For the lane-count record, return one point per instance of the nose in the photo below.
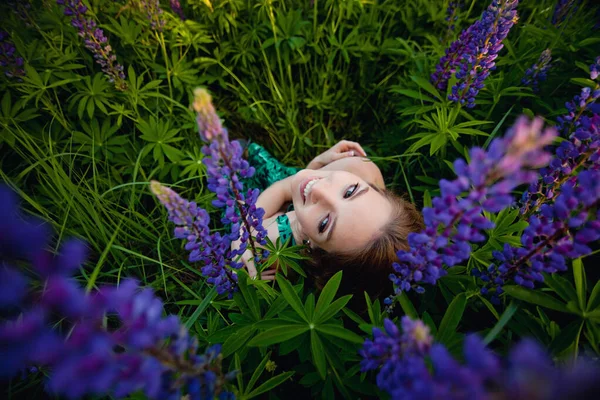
(321, 192)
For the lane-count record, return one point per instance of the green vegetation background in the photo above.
(295, 76)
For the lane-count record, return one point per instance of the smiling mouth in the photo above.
(305, 188)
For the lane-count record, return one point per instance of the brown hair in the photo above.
(369, 268)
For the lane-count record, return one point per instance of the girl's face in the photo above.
(337, 210)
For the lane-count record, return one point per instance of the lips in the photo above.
(303, 186)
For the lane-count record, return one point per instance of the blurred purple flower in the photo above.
(95, 41)
(154, 14)
(455, 220)
(473, 55)
(143, 352)
(564, 10)
(528, 373)
(176, 7)
(538, 71)
(10, 62)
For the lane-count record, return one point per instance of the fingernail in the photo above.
(351, 153)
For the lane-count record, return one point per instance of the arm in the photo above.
(342, 149)
(273, 198)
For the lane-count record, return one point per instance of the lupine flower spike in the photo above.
(225, 169)
(456, 218)
(154, 14)
(561, 207)
(142, 351)
(538, 71)
(400, 359)
(212, 251)
(473, 55)
(95, 41)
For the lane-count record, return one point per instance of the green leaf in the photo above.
(580, 282)
(536, 297)
(258, 371)
(407, 306)
(452, 318)
(290, 295)
(594, 301)
(270, 384)
(210, 296)
(328, 293)
(340, 332)
(512, 308)
(318, 353)
(561, 286)
(237, 340)
(249, 295)
(333, 309)
(567, 336)
(277, 335)
(413, 94)
(426, 85)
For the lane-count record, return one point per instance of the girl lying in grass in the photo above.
(339, 208)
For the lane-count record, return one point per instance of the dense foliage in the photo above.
(95, 106)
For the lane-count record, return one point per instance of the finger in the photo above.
(269, 272)
(358, 148)
(251, 268)
(267, 278)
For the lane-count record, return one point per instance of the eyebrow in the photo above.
(363, 191)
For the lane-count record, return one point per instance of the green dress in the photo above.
(268, 171)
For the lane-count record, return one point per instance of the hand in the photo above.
(342, 149)
(248, 260)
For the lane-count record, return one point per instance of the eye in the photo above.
(323, 224)
(350, 191)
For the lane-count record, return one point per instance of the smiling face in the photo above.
(337, 210)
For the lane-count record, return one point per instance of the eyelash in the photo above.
(352, 189)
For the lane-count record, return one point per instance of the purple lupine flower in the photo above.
(473, 55)
(528, 372)
(9, 61)
(538, 71)
(95, 41)
(142, 351)
(176, 7)
(20, 9)
(154, 14)
(452, 14)
(456, 220)
(226, 168)
(212, 250)
(564, 10)
(580, 151)
(563, 230)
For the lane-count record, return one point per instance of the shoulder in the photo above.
(360, 166)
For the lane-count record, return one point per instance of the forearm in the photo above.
(275, 196)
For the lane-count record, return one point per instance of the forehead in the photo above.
(359, 221)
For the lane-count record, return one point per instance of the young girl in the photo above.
(339, 208)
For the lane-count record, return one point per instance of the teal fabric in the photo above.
(268, 171)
